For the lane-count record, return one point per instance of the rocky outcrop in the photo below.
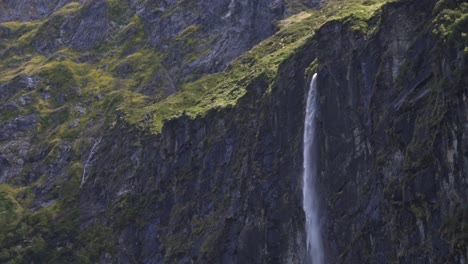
(224, 186)
(191, 41)
(27, 10)
(217, 37)
(199, 42)
(393, 133)
(392, 167)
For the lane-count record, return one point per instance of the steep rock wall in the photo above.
(225, 187)
(220, 189)
(393, 133)
(392, 181)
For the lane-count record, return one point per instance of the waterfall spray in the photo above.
(310, 202)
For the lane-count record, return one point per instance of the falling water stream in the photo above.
(310, 203)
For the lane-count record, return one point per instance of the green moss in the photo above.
(8, 211)
(20, 67)
(135, 69)
(118, 10)
(131, 38)
(52, 119)
(50, 30)
(312, 68)
(187, 32)
(68, 9)
(451, 24)
(58, 75)
(15, 26)
(224, 89)
(39, 236)
(109, 83)
(16, 227)
(187, 5)
(128, 209)
(95, 240)
(70, 191)
(420, 152)
(356, 14)
(192, 43)
(138, 68)
(19, 37)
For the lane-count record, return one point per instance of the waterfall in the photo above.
(89, 160)
(310, 203)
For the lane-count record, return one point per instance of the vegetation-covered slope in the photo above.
(103, 102)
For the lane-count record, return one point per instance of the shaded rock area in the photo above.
(27, 10)
(224, 188)
(393, 132)
(81, 183)
(192, 41)
(392, 169)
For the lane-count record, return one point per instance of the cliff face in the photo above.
(392, 168)
(98, 172)
(185, 39)
(199, 41)
(393, 133)
(223, 188)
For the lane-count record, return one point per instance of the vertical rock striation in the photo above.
(393, 130)
(223, 186)
(218, 189)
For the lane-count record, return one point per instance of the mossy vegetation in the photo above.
(451, 24)
(95, 240)
(420, 152)
(133, 69)
(450, 27)
(118, 10)
(131, 38)
(49, 233)
(19, 34)
(356, 14)
(72, 92)
(66, 93)
(224, 89)
(23, 234)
